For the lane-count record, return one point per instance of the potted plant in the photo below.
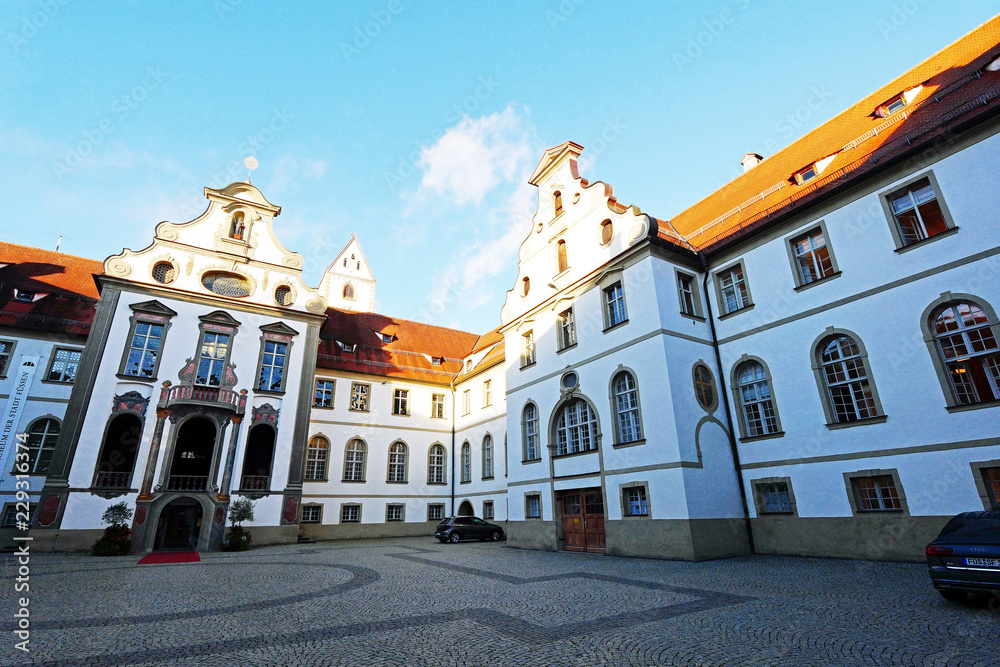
(238, 538)
(117, 538)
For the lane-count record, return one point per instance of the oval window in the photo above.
(607, 231)
(226, 284)
(283, 295)
(704, 387)
(525, 287)
(164, 272)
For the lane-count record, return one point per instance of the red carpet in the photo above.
(170, 557)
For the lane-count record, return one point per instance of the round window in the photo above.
(283, 295)
(569, 381)
(164, 272)
(226, 284)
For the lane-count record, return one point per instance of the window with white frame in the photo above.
(317, 454)
(212, 359)
(527, 348)
(533, 506)
(435, 465)
(968, 350)
(488, 457)
(144, 349)
(488, 510)
(756, 404)
(634, 501)
(487, 393)
(400, 402)
(311, 513)
(917, 212)
(350, 513)
(354, 460)
(359, 396)
(845, 373)
(394, 511)
(614, 306)
(397, 462)
(567, 329)
(65, 362)
(437, 406)
(530, 425)
(576, 429)
(686, 294)
(41, 445)
(6, 352)
(876, 493)
(324, 394)
(466, 402)
(466, 462)
(733, 289)
(272, 366)
(812, 257)
(628, 423)
(774, 498)
(435, 511)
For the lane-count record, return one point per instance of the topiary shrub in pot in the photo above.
(238, 538)
(117, 538)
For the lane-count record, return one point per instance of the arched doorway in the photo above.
(465, 509)
(194, 451)
(179, 526)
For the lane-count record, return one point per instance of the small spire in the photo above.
(250, 163)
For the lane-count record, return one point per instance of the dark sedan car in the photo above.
(965, 557)
(457, 528)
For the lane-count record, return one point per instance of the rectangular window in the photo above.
(359, 396)
(488, 509)
(812, 257)
(10, 515)
(635, 501)
(311, 513)
(774, 498)
(437, 406)
(488, 393)
(527, 349)
(991, 478)
(614, 306)
(876, 494)
(350, 513)
(733, 289)
(272, 366)
(212, 359)
(567, 329)
(324, 394)
(6, 352)
(917, 213)
(143, 349)
(685, 294)
(394, 512)
(435, 512)
(533, 506)
(64, 365)
(466, 402)
(400, 402)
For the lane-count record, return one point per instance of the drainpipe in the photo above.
(453, 410)
(725, 401)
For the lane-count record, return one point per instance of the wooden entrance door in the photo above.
(583, 520)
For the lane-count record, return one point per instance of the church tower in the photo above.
(348, 283)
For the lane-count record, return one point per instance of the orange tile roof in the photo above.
(66, 281)
(405, 357)
(955, 89)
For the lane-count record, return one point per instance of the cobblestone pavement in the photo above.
(413, 601)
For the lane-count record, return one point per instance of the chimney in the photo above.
(750, 160)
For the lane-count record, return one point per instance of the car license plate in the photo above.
(983, 562)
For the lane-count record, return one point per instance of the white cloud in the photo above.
(476, 156)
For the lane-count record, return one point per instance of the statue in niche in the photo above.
(238, 228)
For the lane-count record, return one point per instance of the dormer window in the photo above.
(898, 103)
(813, 170)
(348, 347)
(437, 361)
(237, 230)
(557, 197)
(468, 365)
(894, 105)
(806, 175)
(20, 295)
(386, 338)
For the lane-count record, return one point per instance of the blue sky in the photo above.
(416, 125)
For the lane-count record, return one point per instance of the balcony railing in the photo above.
(112, 480)
(187, 483)
(255, 482)
(215, 396)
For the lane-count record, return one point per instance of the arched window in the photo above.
(576, 428)
(238, 227)
(563, 263)
(349, 291)
(354, 461)
(525, 286)
(849, 390)
(397, 462)
(488, 457)
(42, 437)
(757, 411)
(968, 349)
(121, 444)
(557, 203)
(704, 387)
(529, 435)
(435, 465)
(626, 405)
(317, 454)
(466, 462)
(258, 458)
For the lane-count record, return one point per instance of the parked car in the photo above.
(965, 557)
(457, 528)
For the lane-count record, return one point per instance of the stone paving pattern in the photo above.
(413, 601)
